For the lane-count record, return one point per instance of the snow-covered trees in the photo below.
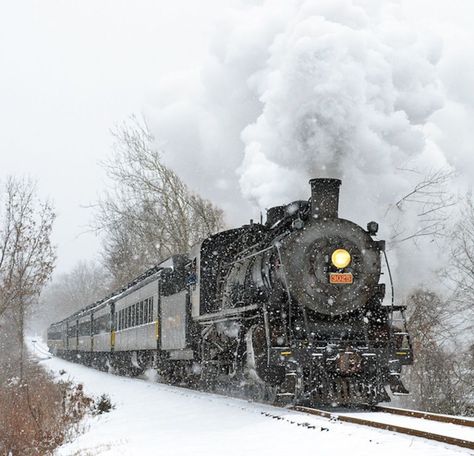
(26, 253)
(87, 282)
(460, 272)
(149, 213)
(442, 378)
(430, 379)
(432, 199)
(26, 258)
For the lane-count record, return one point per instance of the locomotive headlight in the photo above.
(341, 258)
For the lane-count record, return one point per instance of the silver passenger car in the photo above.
(102, 335)
(136, 317)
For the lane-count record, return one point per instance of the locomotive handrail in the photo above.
(226, 313)
(290, 301)
(392, 289)
(252, 255)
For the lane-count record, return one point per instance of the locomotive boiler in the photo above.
(290, 310)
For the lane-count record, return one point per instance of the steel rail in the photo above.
(388, 427)
(424, 415)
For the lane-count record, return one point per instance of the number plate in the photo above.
(340, 277)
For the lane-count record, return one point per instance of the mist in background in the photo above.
(69, 71)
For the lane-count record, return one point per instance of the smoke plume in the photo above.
(296, 89)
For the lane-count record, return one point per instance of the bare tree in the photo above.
(26, 253)
(84, 284)
(431, 199)
(460, 272)
(442, 377)
(438, 379)
(459, 277)
(150, 213)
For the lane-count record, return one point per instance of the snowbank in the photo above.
(155, 419)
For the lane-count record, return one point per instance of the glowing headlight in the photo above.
(341, 258)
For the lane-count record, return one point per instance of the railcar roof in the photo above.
(148, 275)
(117, 294)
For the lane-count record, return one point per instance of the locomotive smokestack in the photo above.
(325, 197)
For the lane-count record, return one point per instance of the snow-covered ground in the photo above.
(155, 419)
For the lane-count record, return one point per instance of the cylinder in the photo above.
(324, 197)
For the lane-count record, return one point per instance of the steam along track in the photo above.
(291, 311)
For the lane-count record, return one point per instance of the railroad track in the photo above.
(378, 417)
(425, 415)
(376, 411)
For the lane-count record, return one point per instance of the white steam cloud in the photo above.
(344, 94)
(296, 89)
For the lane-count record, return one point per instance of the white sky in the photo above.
(70, 69)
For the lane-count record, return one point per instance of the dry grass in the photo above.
(37, 414)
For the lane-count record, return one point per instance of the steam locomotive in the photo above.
(289, 311)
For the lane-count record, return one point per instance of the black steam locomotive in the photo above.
(286, 311)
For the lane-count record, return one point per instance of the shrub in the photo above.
(103, 405)
(37, 414)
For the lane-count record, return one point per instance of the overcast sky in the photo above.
(68, 71)
(71, 69)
